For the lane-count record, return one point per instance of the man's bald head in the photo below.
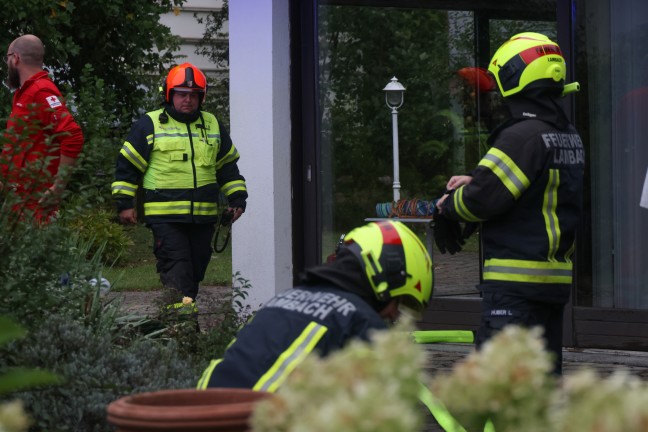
(30, 49)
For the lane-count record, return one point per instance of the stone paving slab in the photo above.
(456, 275)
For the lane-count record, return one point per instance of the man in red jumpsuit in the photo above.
(42, 140)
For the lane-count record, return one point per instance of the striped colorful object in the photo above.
(406, 208)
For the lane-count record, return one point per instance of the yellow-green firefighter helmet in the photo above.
(395, 261)
(527, 61)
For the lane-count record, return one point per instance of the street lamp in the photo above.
(394, 97)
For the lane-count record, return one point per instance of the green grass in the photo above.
(137, 271)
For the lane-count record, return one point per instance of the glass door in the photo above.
(613, 115)
(442, 124)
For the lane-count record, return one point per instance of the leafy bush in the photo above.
(227, 316)
(95, 372)
(99, 229)
(43, 271)
(103, 135)
(12, 415)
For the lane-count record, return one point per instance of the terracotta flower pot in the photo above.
(185, 410)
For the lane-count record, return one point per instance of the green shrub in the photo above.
(95, 372)
(99, 229)
(89, 187)
(44, 270)
(12, 415)
(227, 316)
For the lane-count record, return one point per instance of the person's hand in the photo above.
(458, 181)
(439, 203)
(128, 216)
(236, 213)
(51, 197)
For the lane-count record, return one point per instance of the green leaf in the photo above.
(9, 330)
(16, 379)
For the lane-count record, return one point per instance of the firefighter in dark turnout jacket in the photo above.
(379, 268)
(184, 158)
(526, 192)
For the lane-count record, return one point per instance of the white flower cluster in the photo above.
(509, 382)
(363, 387)
(588, 403)
(13, 417)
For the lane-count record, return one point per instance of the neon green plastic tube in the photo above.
(440, 336)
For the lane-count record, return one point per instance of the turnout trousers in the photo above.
(183, 251)
(499, 310)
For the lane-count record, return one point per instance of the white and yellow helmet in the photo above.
(528, 60)
(396, 262)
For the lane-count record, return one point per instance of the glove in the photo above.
(447, 235)
(469, 229)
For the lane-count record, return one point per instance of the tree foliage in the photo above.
(361, 49)
(108, 58)
(440, 131)
(122, 40)
(214, 45)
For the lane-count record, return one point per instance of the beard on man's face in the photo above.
(13, 77)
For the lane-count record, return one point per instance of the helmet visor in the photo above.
(188, 90)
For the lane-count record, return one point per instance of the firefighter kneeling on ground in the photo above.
(379, 268)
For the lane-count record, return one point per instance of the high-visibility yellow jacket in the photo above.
(527, 194)
(183, 168)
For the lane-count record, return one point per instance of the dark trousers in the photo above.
(183, 252)
(499, 310)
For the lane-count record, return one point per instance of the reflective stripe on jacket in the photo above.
(526, 192)
(183, 168)
(285, 331)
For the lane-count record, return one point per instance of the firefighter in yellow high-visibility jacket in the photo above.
(184, 159)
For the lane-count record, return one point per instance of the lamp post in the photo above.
(394, 97)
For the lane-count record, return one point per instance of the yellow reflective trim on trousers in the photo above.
(461, 209)
(133, 156)
(289, 359)
(205, 209)
(206, 375)
(233, 186)
(528, 271)
(439, 411)
(167, 208)
(123, 188)
(549, 205)
(231, 156)
(506, 170)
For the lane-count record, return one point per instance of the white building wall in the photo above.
(260, 128)
(183, 23)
